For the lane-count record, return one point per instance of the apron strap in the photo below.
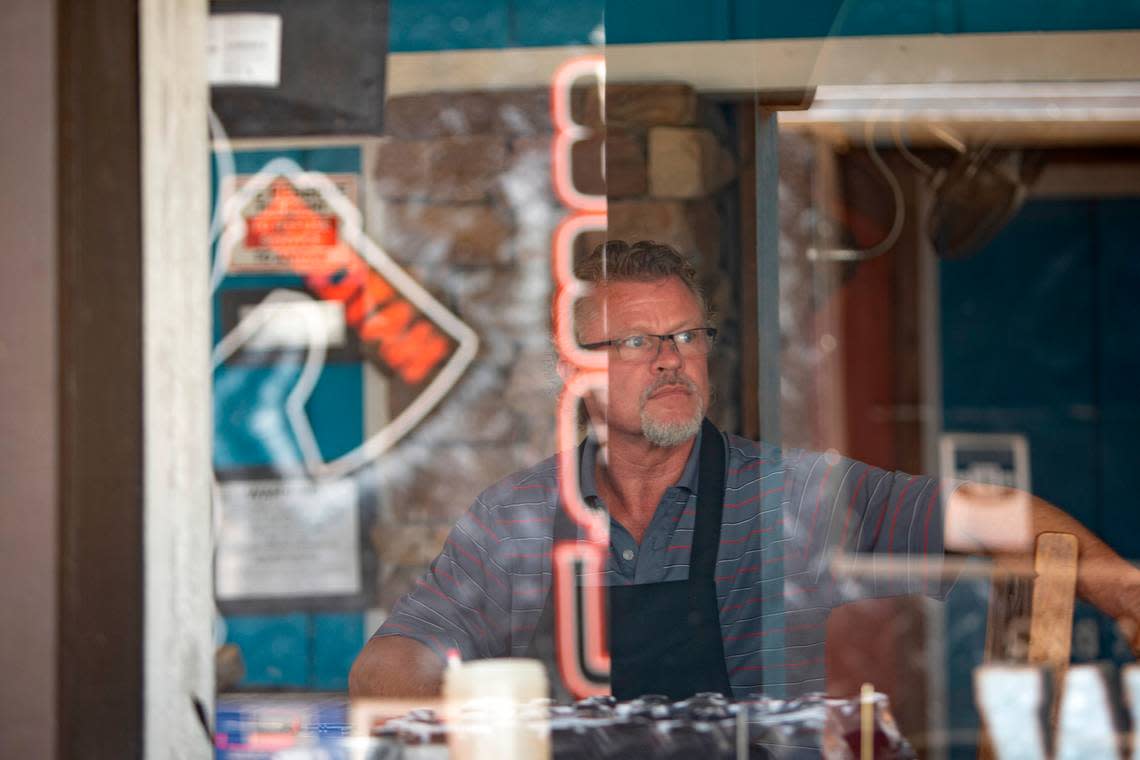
(710, 507)
(702, 560)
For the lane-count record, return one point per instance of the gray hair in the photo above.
(641, 261)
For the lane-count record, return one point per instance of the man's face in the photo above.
(662, 399)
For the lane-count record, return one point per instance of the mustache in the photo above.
(666, 379)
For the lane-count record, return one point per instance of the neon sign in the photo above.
(582, 649)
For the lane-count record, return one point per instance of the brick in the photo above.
(459, 169)
(533, 243)
(512, 303)
(585, 106)
(536, 221)
(467, 168)
(527, 181)
(402, 168)
(510, 112)
(522, 112)
(533, 149)
(687, 163)
(643, 104)
(626, 170)
(625, 167)
(693, 227)
(649, 105)
(424, 232)
(586, 166)
(437, 115)
(663, 221)
(625, 163)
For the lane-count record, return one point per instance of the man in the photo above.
(719, 567)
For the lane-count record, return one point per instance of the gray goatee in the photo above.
(668, 434)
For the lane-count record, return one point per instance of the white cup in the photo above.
(496, 710)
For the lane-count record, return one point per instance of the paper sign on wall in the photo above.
(243, 49)
(288, 538)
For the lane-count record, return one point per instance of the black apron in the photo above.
(665, 638)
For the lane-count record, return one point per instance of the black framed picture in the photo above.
(293, 68)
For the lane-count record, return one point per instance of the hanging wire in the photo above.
(900, 143)
(892, 236)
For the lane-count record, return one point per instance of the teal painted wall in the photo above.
(418, 25)
(1039, 337)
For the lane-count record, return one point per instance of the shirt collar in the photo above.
(588, 482)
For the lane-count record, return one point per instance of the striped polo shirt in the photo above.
(787, 515)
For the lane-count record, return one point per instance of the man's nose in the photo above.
(668, 355)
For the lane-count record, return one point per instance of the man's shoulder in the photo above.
(788, 457)
(746, 454)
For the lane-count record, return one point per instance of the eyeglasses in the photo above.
(697, 341)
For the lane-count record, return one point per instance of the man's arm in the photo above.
(1104, 578)
(395, 666)
(461, 602)
(1006, 522)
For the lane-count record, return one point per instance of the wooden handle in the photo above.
(1054, 589)
(1054, 596)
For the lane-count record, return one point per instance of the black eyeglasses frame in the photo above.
(710, 333)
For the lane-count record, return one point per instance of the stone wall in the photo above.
(459, 192)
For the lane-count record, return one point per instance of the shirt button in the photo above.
(627, 555)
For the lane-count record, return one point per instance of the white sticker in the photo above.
(297, 324)
(994, 459)
(244, 49)
(994, 511)
(282, 538)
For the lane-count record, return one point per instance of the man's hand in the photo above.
(1129, 629)
(1124, 586)
(395, 666)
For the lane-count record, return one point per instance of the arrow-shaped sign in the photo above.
(303, 219)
